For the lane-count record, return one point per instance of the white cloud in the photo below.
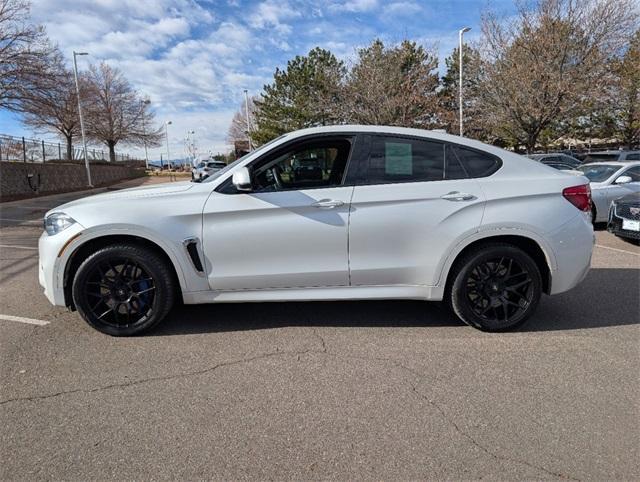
(355, 5)
(402, 9)
(273, 13)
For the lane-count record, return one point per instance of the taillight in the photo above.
(579, 196)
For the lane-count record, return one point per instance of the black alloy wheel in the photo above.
(496, 287)
(123, 289)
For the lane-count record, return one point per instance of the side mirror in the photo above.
(623, 180)
(242, 179)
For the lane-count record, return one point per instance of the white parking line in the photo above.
(617, 249)
(18, 247)
(20, 319)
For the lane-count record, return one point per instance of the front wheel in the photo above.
(123, 289)
(495, 287)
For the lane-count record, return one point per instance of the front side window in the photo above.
(634, 156)
(633, 173)
(395, 160)
(307, 166)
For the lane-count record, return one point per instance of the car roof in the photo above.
(402, 131)
(613, 163)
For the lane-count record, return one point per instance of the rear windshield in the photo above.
(600, 172)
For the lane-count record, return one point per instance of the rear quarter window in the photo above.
(477, 163)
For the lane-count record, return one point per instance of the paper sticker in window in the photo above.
(398, 159)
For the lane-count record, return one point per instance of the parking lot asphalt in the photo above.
(323, 390)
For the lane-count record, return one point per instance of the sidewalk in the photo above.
(68, 196)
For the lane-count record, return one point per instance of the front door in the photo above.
(291, 231)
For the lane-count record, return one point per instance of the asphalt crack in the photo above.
(142, 381)
(324, 351)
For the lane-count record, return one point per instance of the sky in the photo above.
(194, 58)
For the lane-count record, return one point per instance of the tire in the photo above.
(123, 289)
(495, 287)
(594, 214)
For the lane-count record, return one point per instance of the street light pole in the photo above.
(144, 133)
(246, 111)
(166, 134)
(460, 33)
(84, 139)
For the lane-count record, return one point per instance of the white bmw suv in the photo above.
(331, 213)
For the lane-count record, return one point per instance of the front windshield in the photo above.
(228, 167)
(598, 172)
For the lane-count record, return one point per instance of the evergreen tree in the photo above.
(306, 94)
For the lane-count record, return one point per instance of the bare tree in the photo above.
(25, 53)
(541, 66)
(624, 105)
(239, 130)
(115, 111)
(393, 86)
(54, 107)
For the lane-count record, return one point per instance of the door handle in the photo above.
(458, 196)
(327, 204)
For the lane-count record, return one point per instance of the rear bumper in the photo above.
(572, 244)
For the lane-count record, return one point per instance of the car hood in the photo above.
(136, 192)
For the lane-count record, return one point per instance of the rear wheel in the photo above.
(123, 289)
(495, 287)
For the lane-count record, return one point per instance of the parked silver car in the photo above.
(612, 155)
(610, 181)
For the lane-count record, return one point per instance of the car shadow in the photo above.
(606, 298)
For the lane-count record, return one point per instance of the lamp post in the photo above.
(84, 139)
(166, 134)
(144, 102)
(460, 33)
(246, 112)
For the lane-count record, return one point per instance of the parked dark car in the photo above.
(557, 160)
(612, 155)
(624, 217)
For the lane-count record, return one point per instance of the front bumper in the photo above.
(614, 225)
(51, 262)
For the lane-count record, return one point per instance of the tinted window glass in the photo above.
(477, 163)
(453, 167)
(633, 157)
(317, 164)
(405, 160)
(633, 173)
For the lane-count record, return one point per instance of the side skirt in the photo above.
(410, 292)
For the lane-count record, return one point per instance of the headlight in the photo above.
(56, 222)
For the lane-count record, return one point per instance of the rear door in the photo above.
(414, 200)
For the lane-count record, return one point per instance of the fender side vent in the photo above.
(191, 245)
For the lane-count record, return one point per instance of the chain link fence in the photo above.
(22, 149)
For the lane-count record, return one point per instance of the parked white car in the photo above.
(385, 213)
(610, 181)
(207, 168)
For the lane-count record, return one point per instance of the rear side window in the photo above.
(395, 159)
(477, 163)
(633, 157)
